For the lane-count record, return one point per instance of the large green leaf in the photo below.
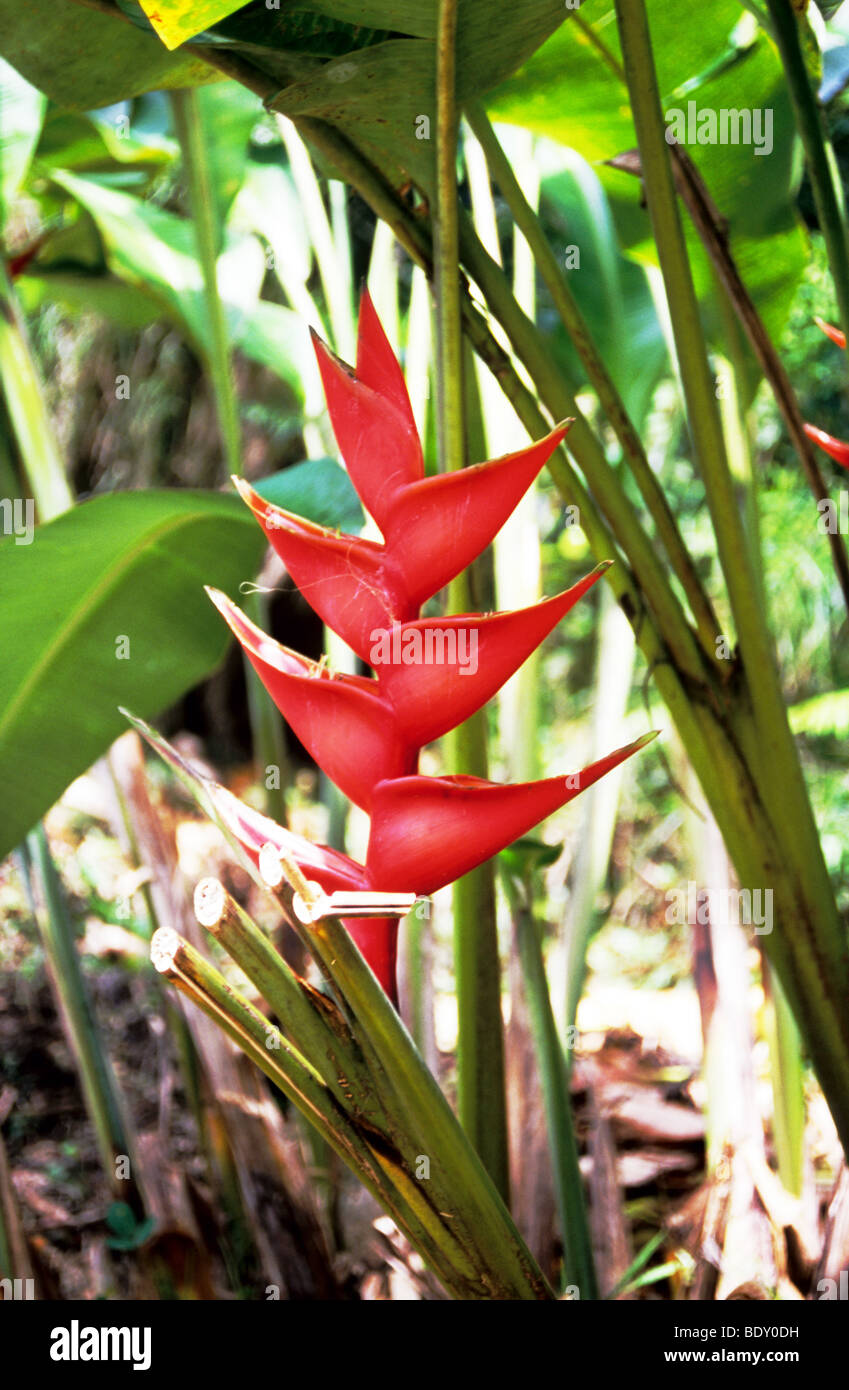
(82, 58)
(125, 566)
(569, 91)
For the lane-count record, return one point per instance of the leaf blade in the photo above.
(114, 567)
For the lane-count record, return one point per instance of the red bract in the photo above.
(432, 673)
(429, 831)
(833, 333)
(834, 447)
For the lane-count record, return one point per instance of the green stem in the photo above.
(449, 345)
(296, 1078)
(481, 1097)
(599, 805)
(187, 118)
(425, 1121)
(786, 1067)
(822, 167)
(267, 733)
(516, 549)
(98, 1081)
(709, 224)
(788, 1084)
(266, 729)
(808, 958)
(23, 392)
(317, 1030)
(532, 349)
(696, 376)
(578, 1261)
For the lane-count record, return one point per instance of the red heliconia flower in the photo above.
(834, 447)
(432, 674)
(425, 833)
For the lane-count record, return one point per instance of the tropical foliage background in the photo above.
(652, 1101)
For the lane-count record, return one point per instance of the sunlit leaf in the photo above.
(178, 20)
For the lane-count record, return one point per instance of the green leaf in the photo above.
(128, 565)
(277, 338)
(318, 489)
(526, 856)
(268, 204)
(81, 294)
(377, 92)
(21, 114)
(82, 58)
(127, 1232)
(416, 17)
(156, 250)
(91, 143)
(822, 715)
(569, 92)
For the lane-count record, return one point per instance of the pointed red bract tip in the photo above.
(377, 365)
(436, 527)
(831, 332)
(379, 443)
(834, 447)
(428, 831)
